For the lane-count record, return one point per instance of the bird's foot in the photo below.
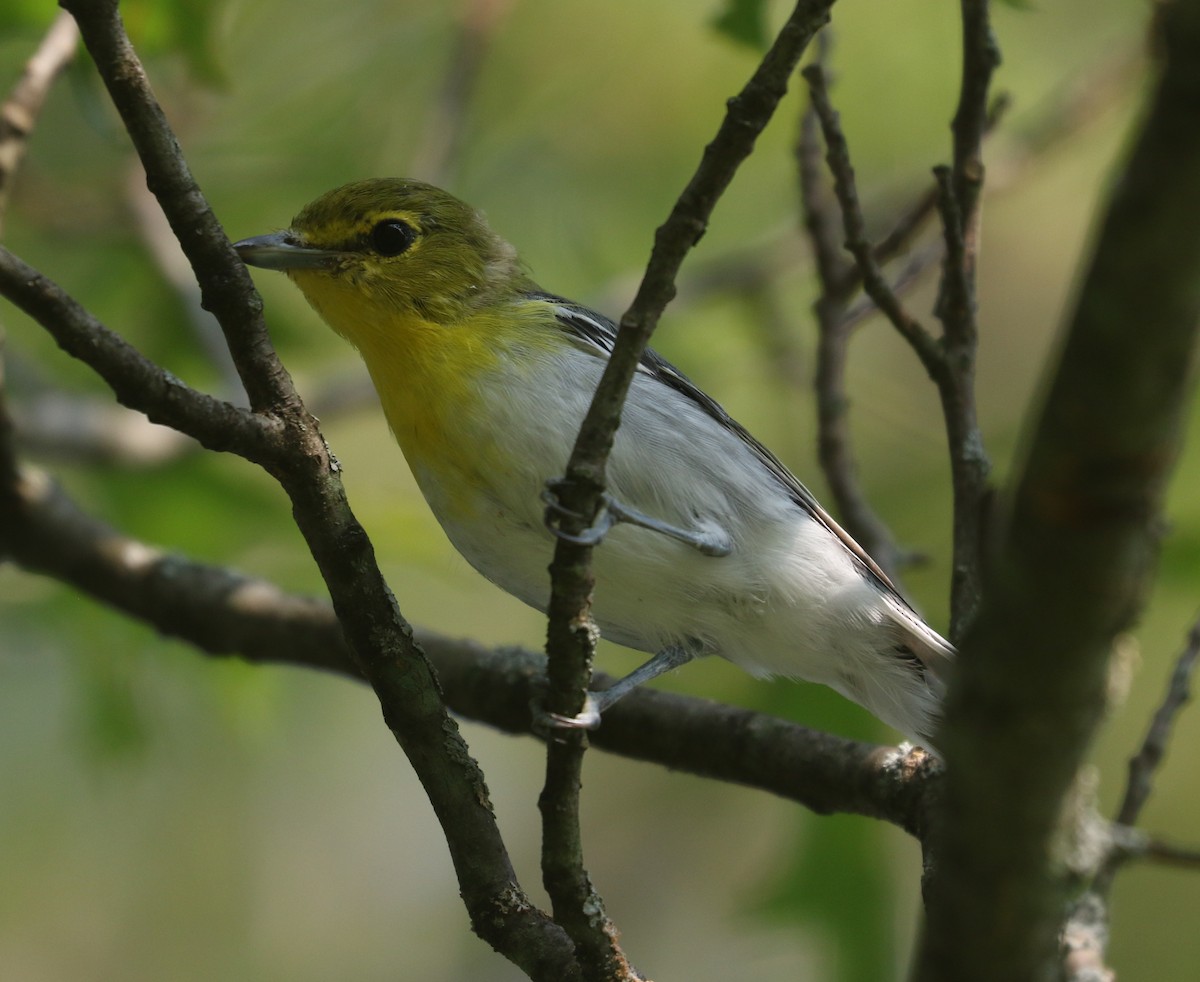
(588, 718)
(709, 542)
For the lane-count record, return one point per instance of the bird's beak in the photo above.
(284, 250)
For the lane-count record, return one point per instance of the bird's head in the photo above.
(391, 248)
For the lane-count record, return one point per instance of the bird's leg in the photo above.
(612, 511)
(597, 702)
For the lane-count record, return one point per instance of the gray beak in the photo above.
(283, 250)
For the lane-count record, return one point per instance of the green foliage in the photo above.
(25, 16)
(109, 717)
(744, 21)
(184, 27)
(577, 175)
(157, 27)
(838, 881)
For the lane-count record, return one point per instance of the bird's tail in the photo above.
(909, 681)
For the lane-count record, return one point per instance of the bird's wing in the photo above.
(596, 333)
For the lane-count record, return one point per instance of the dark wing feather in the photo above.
(599, 333)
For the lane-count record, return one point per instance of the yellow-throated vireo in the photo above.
(485, 378)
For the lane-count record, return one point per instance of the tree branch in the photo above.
(874, 283)
(24, 103)
(224, 613)
(839, 280)
(136, 381)
(1145, 763)
(381, 641)
(570, 637)
(1076, 553)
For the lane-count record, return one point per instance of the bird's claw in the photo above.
(594, 534)
(710, 542)
(588, 718)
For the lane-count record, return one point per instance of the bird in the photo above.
(711, 546)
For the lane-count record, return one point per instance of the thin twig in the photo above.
(900, 282)
(1170, 854)
(839, 279)
(875, 284)
(137, 381)
(570, 636)
(969, 463)
(1145, 763)
(958, 201)
(24, 104)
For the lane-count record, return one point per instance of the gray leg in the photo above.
(597, 702)
(613, 511)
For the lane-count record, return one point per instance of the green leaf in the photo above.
(744, 21)
(838, 882)
(183, 27)
(25, 15)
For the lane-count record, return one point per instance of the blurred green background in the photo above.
(166, 816)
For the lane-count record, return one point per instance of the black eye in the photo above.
(392, 237)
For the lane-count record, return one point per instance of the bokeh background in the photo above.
(163, 815)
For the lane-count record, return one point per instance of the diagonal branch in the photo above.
(136, 381)
(381, 641)
(570, 639)
(1071, 567)
(1154, 748)
(1145, 763)
(24, 103)
(839, 279)
(225, 285)
(874, 283)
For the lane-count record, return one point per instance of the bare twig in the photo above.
(137, 381)
(24, 103)
(570, 638)
(959, 191)
(874, 282)
(1076, 552)
(900, 282)
(1146, 761)
(1169, 854)
(839, 278)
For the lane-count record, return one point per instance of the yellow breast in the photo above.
(434, 382)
